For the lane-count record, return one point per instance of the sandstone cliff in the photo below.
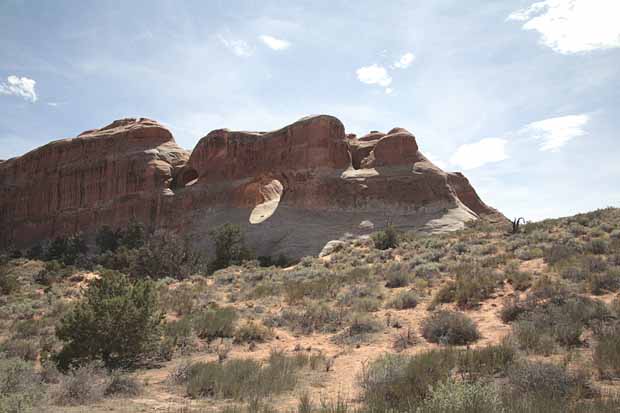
(292, 189)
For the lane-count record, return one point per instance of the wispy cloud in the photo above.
(274, 43)
(404, 61)
(436, 161)
(239, 47)
(19, 86)
(554, 133)
(573, 26)
(374, 75)
(475, 155)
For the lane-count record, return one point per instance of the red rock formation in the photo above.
(292, 190)
(103, 176)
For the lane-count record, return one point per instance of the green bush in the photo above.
(396, 276)
(386, 239)
(598, 246)
(80, 386)
(215, 323)
(512, 308)
(404, 300)
(609, 280)
(530, 338)
(230, 247)
(53, 271)
(21, 388)
(178, 333)
(541, 323)
(400, 383)
(108, 239)
(519, 280)
(116, 321)
(9, 283)
(360, 326)
(252, 332)
(472, 285)
(606, 353)
(24, 348)
(549, 380)
(121, 384)
(447, 327)
(462, 397)
(165, 255)
(243, 379)
(313, 318)
(67, 249)
(486, 361)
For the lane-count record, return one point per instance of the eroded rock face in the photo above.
(292, 190)
(103, 176)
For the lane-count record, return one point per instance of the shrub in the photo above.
(108, 239)
(598, 246)
(80, 386)
(486, 361)
(447, 327)
(512, 308)
(396, 276)
(121, 384)
(606, 353)
(230, 247)
(386, 239)
(404, 300)
(53, 271)
(252, 332)
(178, 333)
(21, 388)
(24, 348)
(165, 255)
(462, 397)
(9, 283)
(558, 253)
(519, 280)
(215, 323)
(399, 383)
(530, 338)
(472, 285)
(116, 321)
(67, 249)
(561, 320)
(134, 236)
(365, 304)
(362, 324)
(315, 317)
(242, 379)
(606, 281)
(548, 380)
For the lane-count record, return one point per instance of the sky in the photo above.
(523, 97)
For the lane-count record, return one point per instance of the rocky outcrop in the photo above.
(103, 176)
(292, 190)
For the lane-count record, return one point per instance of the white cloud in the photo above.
(389, 90)
(554, 133)
(436, 161)
(474, 155)
(19, 86)
(239, 47)
(274, 43)
(572, 26)
(374, 75)
(404, 61)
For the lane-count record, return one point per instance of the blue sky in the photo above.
(521, 96)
